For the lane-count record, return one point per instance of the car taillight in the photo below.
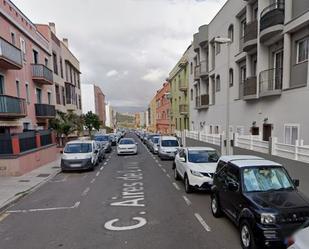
(290, 241)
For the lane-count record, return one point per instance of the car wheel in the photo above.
(176, 175)
(246, 236)
(188, 187)
(215, 206)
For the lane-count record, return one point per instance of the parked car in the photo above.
(148, 141)
(113, 139)
(127, 146)
(168, 147)
(196, 166)
(80, 155)
(153, 147)
(300, 240)
(105, 141)
(101, 151)
(260, 198)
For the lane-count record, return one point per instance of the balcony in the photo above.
(183, 87)
(250, 88)
(271, 82)
(197, 72)
(42, 74)
(45, 111)
(250, 38)
(272, 20)
(10, 56)
(184, 109)
(12, 107)
(196, 45)
(204, 69)
(202, 102)
(183, 62)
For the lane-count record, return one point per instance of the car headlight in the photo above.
(196, 173)
(268, 218)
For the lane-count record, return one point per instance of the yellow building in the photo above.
(153, 115)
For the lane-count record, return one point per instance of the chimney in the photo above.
(66, 42)
(52, 27)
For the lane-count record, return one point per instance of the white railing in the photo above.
(251, 142)
(211, 138)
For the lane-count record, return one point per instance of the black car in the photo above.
(260, 198)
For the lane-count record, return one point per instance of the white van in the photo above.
(168, 147)
(80, 155)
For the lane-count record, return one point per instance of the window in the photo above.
(13, 38)
(191, 68)
(217, 130)
(58, 99)
(231, 32)
(46, 62)
(302, 50)
(17, 89)
(1, 84)
(55, 64)
(218, 48)
(242, 28)
(23, 48)
(61, 68)
(231, 77)
(291, 133)
(38, 95)
(27, 93)
(49, 98)
(35, 57)
(80, 102)
(218, 83)
(191, 95)
(63, 95)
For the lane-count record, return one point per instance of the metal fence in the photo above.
(27, 141)
(46, 137)
(5, 144)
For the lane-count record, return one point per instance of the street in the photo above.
(127, 202)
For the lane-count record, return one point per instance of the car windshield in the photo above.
(78, 148)
(202, 156)
(155, 140)
(101, 138)
(170, 143)
(126, 141)
(260, 179)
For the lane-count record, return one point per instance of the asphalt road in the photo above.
(127, 202)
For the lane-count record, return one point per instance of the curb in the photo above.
(11, 202)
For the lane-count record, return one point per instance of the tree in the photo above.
(92, 121)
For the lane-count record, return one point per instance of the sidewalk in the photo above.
(13, 188)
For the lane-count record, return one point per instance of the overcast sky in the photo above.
(127, 47)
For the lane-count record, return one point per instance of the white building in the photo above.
(266, 70)
(110, 116)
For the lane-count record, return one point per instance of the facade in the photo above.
(66, 72)
(153, 115)
(94, 101)
(110, 116)
(264, 69)
(137, 120)
(163, 123)
(179, 85)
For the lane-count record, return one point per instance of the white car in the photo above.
(196, 166)
(168, 147)
(127, 146)
(79, 155)
(300, 240)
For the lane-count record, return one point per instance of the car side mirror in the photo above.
(96, 151)
(296, 182)
(181, 145)
(136, 143)
(232, 186)
(61, 151)
(182, 159)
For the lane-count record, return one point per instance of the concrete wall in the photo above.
(299, 7)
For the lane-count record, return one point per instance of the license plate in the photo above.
(75, 165)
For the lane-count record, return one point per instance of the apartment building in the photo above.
(94, 101)
(264, 70)
(66, 72)
(179, 86)
(153, 115)
(110, 116)
(163, 124)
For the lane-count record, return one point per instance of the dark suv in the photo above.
(260, 198)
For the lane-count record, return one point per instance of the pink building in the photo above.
(27, 101)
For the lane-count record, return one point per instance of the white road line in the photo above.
(188, 202)
(105, 163)
(62, 180)
(164, 170)
(168, 175)
(86, 191)
(102, 168)
(107, 160)
(176, 186)
(76, 205)
(160, 165)
(3, 216)
(92, 181)
(98, 173)
(202, 221)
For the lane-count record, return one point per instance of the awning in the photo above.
(10, 123)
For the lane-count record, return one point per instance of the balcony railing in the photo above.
(204, 68)
(45, 111)
(183, 109)
(42, 74)
(202, 102)
(10, 56)
(12, 107)
(182, 86)
(271, 82)
(197, 102)
(250, 88)
(272, 15)
(250, 33)
(197, 72)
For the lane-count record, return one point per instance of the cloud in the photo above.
(112, 73)
(127, 46)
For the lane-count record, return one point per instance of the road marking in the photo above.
(92, 181)
(157, 161)
(168, 175)
(202, 221)
(62, 180)
(98, 173)
(105, 163)
(44, 209)
(3, 216)
(160, 165)
(107, 160)
(102, 168)
(188, 202)
(84, 176)
(164, 170)
(86, 191)
(176, 186)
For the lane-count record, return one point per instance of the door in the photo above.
(181, 165)
(267, 128)
(278, 73)
(1, 84)
(220, 182)
(35, 57)
(38, 96)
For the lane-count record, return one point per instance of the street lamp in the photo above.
(228, 41)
